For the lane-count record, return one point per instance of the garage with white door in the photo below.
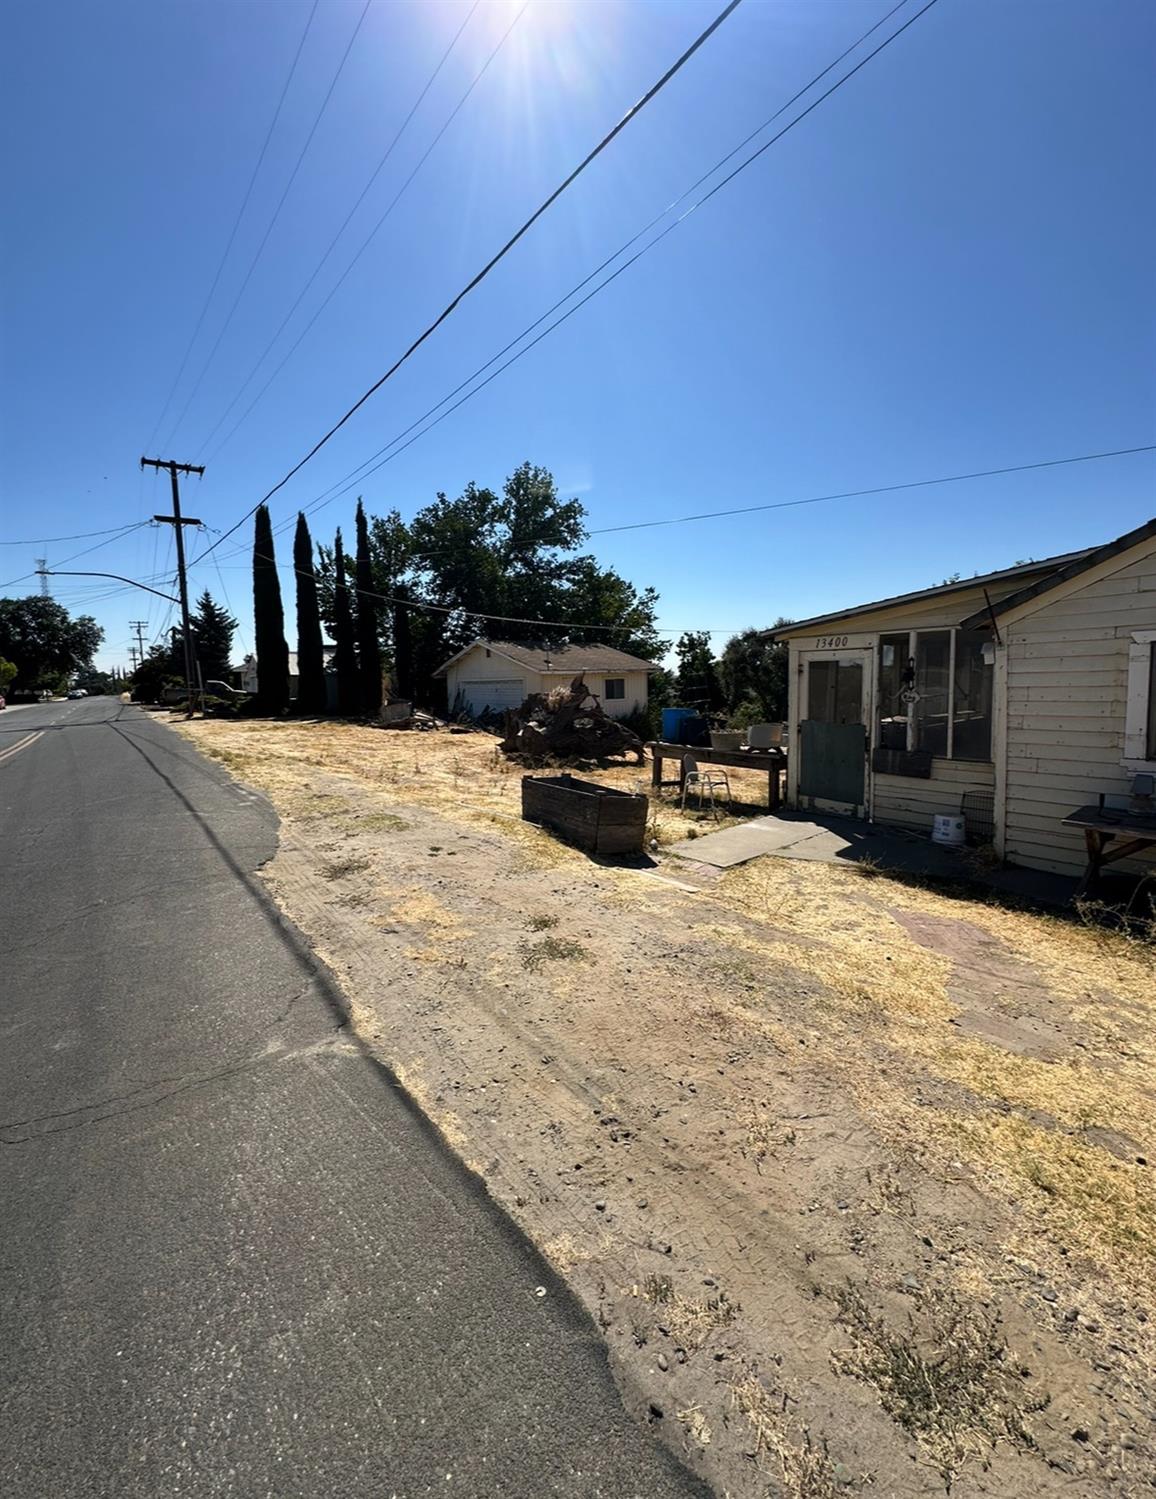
(478, 697)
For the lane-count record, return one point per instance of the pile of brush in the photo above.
(567, 723)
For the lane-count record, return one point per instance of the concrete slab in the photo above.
(788, 837)
(843, 840)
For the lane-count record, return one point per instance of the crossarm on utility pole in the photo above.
(178, 523)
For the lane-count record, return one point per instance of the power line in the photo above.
(708, 515)
(345, 224)
(269, 228)
(36, 541)
(236, 226)
(83, 553)
(369, 466)
(852, 494)
(502, 619)
(480, 276)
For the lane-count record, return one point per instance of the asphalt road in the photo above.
(235, 1262)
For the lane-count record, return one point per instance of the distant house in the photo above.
(247, 676)
(1015, 698)
(492, 675)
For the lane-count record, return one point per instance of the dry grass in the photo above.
(462, 776)
(805, 1468)
(697, 1425)
(882, 986)
(340, 869)
(951, 1384)
(688, 1320)
(1086, 1197)
(763, 1136)
(878, 1008)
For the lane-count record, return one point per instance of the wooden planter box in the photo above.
(600, 819)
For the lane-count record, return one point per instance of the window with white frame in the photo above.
(1140, 714)
(615, 688)
(935, 692)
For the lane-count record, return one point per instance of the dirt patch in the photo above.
(735, 1115)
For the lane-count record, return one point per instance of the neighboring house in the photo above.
(492, 675)
(1014, 698)
(247, 676)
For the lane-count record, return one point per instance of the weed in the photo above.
(762, 1136)
(1039, 1176)
(378, 822)
(954, 1389)
(806, 1467)
(1121, 932)
(690, 1322)
(338, 869)
(658, 1289)
(695, 1421)
(534, 954)
(541, 923)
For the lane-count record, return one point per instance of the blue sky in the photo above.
(946, 267)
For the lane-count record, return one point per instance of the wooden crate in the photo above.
(600, 819)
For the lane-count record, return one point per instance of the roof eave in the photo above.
(1073, 570)
(902, 600)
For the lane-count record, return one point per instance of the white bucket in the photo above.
(950, 830)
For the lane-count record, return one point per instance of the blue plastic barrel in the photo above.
(672, 719)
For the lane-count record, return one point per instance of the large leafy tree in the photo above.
(268, 620)
(697, 682)
(44, 642)
(753, 672)
(345, 655)
(311, 693)
(598, 597)
(368, 647)
(163, 666)
(503, 565)
(499, 559)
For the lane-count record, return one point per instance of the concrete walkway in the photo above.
(841, 840)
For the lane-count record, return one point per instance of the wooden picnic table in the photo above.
(771, 763)
(1103, 824)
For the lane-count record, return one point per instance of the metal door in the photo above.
(835, 712)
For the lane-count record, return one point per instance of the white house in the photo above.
(498, 674)
(247, 675)
(1015, 698)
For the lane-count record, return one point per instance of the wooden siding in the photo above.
(903, 802)
(1067, 685)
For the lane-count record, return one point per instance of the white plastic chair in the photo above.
(701, 781)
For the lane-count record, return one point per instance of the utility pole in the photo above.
(138, 650)
(178, 522)
(42, 569)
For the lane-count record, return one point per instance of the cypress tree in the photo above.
(345, 657)
(402, 646)
(368, 649)
(311, 694)
(268, 621)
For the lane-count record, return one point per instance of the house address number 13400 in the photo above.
(830, 642)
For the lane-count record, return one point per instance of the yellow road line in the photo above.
(14, 749)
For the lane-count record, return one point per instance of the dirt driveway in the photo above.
(854, 1176)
